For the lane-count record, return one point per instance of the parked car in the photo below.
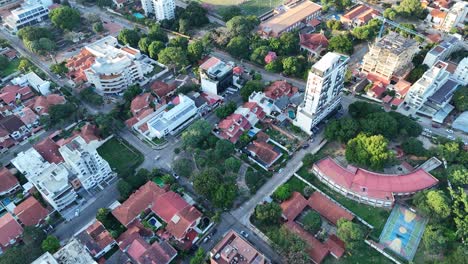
(450, 137)
(450, 131)
(244, 234)
(175, 175)
(305, 146)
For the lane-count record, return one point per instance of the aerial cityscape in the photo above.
(233, 131)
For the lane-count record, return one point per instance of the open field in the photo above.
(11, 68)
(122, 157)
(249, 7)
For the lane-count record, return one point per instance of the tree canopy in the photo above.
(196, 134)
(413, 146)
(65, 17)
(51, 244)
(458, 175)
(341, 43)
(173, 57)
(369, 151)
(268, 213)
(249, 88)
(342, 129)
(349, 232)
(241, 25)
(460, 99)
(239, 47)
(129, 36)
(225, 110)
(283, 192)
(312, 221)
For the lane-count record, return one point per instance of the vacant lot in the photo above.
(122, 157)
(249, 7)
(11, 68)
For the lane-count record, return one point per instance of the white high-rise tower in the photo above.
(324, 83)
(161, 9)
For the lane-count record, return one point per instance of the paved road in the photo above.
(6, 157)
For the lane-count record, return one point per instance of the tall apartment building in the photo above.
(389, 55)
(455, 16)
(442, 51)
(50, 179)
(215, 75)
(161, 9)
(427, 85)
(115, 68)
(85, 162)
(461, 73)
(324, 83)
(29, 13)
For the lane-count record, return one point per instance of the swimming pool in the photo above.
(291, 114)
(138, 15)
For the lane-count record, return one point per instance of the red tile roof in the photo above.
(316, 250)
(162, 89)
(7, 180)
(140, 103)
(255, 109)
(30, 212)
(49, 150)
(397, 101)
(238, 70)
(137, 202)
(372, 184)
(293, 206)
(264, 152)
(387, 99)
(88, 132)
(328, 209)
(157, 253)
(96, 238)
(233, 126)
(314, 41)
(9, 93)
(362, 13)
(134, 230)
(402, 87)
(41, 104)
(212, 61)
(438, 13)
(137, 248)
(280, 88)
(9, 229)
(335, 245)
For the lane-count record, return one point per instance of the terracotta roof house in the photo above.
(162, 90)
(139, 201)
(11, 94)
(280, 88)
(135, 119)
(15, 127)
(233, 248)
(252, 112)
(314, 43)
(377, 90)
(358, 16)
(264, 153)
(8, 182)
(10, 231)
(88, 132)
(332, 212)
(401, 88)
(157, 253)
(6, 141)
(97, 240)
(41, 104)
(30, 212)
(372, 188)
(49, 150)
(29, 118)
(232, 127)
(140, 103)
(78, 64)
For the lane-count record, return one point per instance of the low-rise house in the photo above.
(97, 240)
(119, 3)
(162, 90)
(159, 252)
(30, 212)
(314, 43)
(276, 97)
(41, 104)
(9, 53)
(358, 16)
(233, 126)
(252, 112)
(6, 141)
(29, 118)
(15, 127)
(14, 95)
(49, 150)
(233, 248)
(10, 231)
(33, 80)
(9, 184)
(264, 153)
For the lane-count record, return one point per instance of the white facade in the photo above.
(441, 51)
(31, 79)
(461, 73)
(50, 179)
(267, 104)
(216, 76)
(115, 68)
(324, 83)
(427, 85)
(455, 16)
(161, 9)
(31, 12)
(83, 159)
(169, 118)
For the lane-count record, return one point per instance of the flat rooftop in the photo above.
(330, 60)
(395, 43)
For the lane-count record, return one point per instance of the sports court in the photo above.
(403, 231)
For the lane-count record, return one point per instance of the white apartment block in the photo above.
(455, 16)
(29, 13)
(115, 67)
(267, 104)
(50, 179)
(461, 73)
(216, 76)
(168, 119)
(33, 80)
(389, 55)
(427, 85)
(442, 51)
(324, 83)
(161, 9)
(83, 159)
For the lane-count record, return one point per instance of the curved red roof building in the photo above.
(376, 189)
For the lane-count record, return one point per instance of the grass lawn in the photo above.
(374, 216)
(122, 157)
(249, 7)
(362, 254)
(11, 68)
(296, 185)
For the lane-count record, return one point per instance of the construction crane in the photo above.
(395, 24)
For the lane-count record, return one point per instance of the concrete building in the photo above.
(324, 83)
(29, 13)
(33, 80)
(286, 18)
(358, 16)
(168, 119)
(215, 75)
(84, 160)
(161, 9)
(442, 51)
(111, 68)
(72, 253)
(461, 73)
(50, 179)
(233, 248)
(389, 55)
(455, 17)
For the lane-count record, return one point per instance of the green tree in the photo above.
(349, 232)
(241, 25)
(65, 17)
(410, 8)
(196, 134)
(24, 65)
(156, 33)
(31, 33)
(61, 112)
(258, 55)
(268, 213)
(249, 88)
(341, 43)
(417, 73)
(91, 97)
(275, 66)
(309, 159)
(102, 215)
(460, 212)
(207, 182)
(51, 244)
(460, 99)
(361, 109)
(224, 196)
(223, 148)
(143, 44)
(390, 13)
(98, 27)
(229, 12)
(195, 51)
(406, 126)
(194, 13)
(413, 146)
(3, 62)
(179, 42)
(334, 24)
(289, 245)
(232, 164)
(342, 129)
(154, 48)
(131, 92)
(312, 221)
(380, 124)
(183, 167)
(173, 57)
(129, 37)
(59, 68)
(239, 47)
(449, 151)
(433, 238)
(458, 175)
(368, 151)
(283, 192)
(289, 44)
(294, 66)
(124, 188)
(225, 110)
(433, 202)
(199, 257)
(140, 178)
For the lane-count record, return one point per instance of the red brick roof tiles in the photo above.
(313, 41)
(7, 180)
(328, 209)
(162, 89)
(280, 88)
(49, 150)
(264, 151)
(335, 245)
(30, 212)
(9, 229)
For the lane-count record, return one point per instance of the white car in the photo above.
(244, 234)
(450, 131)
(427, 130)
(450, 137)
